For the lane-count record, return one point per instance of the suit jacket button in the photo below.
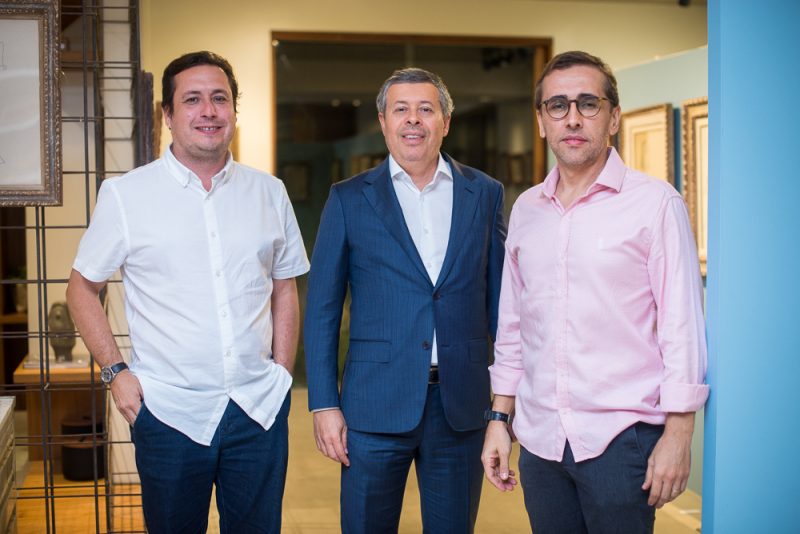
(437, 296)
(426, 345)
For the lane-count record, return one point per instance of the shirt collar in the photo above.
(442, 169)
(610, 177)
(183, 175)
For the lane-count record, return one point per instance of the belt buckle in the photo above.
(433, 374)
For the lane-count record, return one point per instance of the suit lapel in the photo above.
(465, 200)
(380, 194)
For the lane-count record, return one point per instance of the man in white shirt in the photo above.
(418, 241)
(208, 250)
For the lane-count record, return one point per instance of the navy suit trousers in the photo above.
(448, 468)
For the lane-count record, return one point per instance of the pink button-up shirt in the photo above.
(601, 320)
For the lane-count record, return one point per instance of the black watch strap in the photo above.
(491, 415)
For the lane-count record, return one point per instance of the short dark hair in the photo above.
(187, 61)
(416, 75)
(576, 58)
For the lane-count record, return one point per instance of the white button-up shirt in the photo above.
(428, 214)
(197, 267)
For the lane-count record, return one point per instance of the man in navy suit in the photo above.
(419, 242)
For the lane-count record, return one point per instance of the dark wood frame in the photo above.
(542, 53)
(48, 191)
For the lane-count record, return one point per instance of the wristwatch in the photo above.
(491, 415)
(107, 374)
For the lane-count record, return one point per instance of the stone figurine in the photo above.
(62, 331)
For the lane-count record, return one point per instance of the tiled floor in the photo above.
(311, 501)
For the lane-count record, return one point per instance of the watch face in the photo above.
(106, 375)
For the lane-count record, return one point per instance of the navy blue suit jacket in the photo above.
(363, 244)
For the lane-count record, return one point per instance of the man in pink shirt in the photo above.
(601, 350)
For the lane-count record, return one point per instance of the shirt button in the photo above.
(228, 354)
(213, 234)
(224, 313)
(218, 273)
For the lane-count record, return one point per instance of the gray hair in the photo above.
(415, 75)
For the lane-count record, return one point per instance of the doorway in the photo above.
(326, 126)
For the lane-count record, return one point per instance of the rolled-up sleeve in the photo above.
(678, 292)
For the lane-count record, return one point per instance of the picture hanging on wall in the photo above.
(694, 150)
(30, 104)
(296, 178)
(516, 169)
(645, 141)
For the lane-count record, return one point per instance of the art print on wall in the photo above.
(645, 141)
(30, 104)
(694, 149)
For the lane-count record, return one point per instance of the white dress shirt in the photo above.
(428, 214)
(197, 267)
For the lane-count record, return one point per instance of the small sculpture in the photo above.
(62, 331)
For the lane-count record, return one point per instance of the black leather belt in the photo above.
(433, 375)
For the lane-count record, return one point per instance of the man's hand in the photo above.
(496, 452)
(330, 432)
(128, 396)
(668, 465)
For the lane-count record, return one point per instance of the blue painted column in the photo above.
(751, 482)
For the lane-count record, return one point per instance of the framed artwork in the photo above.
(645, 141)
(30, 104)
(296, 177)
(694, 149)
(516, 169)
(158, 128)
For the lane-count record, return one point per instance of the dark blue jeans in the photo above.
(602, 495)
(449, 472)
(246, 463)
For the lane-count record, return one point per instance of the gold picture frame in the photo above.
(30, 104)
(646, 141)
(694, 151)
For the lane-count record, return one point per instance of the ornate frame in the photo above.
(694, 151)
(645, 141)
(21, 182)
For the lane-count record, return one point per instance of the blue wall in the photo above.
(752, 458)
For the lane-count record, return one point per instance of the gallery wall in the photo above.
(672, 79)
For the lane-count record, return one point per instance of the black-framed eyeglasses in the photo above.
(588, 106)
